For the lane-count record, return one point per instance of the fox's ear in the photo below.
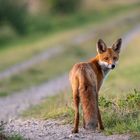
(101, 46)
(117, 45)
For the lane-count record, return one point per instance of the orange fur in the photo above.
(86, 79)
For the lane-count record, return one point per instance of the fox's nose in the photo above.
(113, 66)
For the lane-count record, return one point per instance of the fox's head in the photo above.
(108, 57)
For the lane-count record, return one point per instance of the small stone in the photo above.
(71, 135)
(76, 135)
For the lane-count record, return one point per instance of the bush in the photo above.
(121, 115)
(13, 12)
(64, 6)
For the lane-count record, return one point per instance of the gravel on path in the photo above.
(54, 130)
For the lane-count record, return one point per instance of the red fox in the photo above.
(86, 79)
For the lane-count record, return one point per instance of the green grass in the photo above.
(70, 26)
(121, 115)
(12, 137)
(50, 69)
(53, 22)
(15, 137)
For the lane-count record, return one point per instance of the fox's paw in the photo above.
(102, 127)
(74, 131)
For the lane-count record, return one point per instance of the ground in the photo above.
(52, 130)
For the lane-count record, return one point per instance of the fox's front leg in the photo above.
(84, 124)
(76, 119)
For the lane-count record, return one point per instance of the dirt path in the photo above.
(12, 106)
(15, 69)
(130, 36)
(54, 130)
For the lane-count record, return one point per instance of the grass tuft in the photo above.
(121, 115)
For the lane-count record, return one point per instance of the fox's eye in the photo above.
(114, 58)
(106, 58)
